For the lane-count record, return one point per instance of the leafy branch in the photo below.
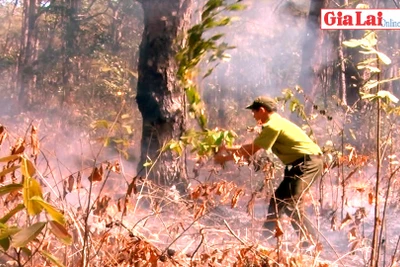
(200, 48)
(21, 238)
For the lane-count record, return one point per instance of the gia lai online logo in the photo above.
(360, 19)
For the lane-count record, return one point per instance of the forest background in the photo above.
(109, 127)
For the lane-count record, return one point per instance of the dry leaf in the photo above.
(3, 134)
(236, 196)
(34, 142)
(196, 193)
(132, 187)
(278, 229)
(200, 212)
(371, 198)
(351, 154)
(250, 204)
(345, 221)
(12, 196)
(352, 235)
(65, 192)
(19, 147)
(78, 181)
(71, 181)
(360, 215)
(221, 188)
(97, 174)
(354, 245)
(122, 205)
(334, 223)
(116, 167)
(102, 205)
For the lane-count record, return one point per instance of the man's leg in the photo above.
(302, 177)
(276, 207)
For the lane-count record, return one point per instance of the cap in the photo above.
(263, 101)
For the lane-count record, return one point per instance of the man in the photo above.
(302, 157)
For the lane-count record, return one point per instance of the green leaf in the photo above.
(10, 188)
(60, 232)
(370, 84)
(223, 22)
(370, 68)
(51, 258)
(31, 189)
(5, 243)
(236, 7)
(202, 121)
(367, 96)
(352, 43)
(216, 37)
(387, 94)
(6, 232)
(54, 213)
(106, 141)
(100, 124)
(11, 213)
(368, 52)
(147, 164)
(385, 59)
(128, 129)
(27, 168)
(362, 6)
(26, 235)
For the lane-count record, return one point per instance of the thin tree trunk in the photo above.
(70, 50)
(160, 98)
(116, 25)
(25, 67)
(342, 73)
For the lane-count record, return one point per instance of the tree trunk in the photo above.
(116, 25)
(70, 50)
(309, 78)
(160, 98)
(27, 55)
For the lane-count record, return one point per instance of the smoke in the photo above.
(268, 40)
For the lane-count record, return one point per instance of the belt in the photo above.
(303, 159)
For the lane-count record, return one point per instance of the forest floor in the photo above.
(218, 223)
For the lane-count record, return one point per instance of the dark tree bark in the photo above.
(309, 78)
(160, 99)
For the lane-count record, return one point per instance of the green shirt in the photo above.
(286, 140)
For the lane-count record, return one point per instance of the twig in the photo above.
(234, 234)
(179, 236)
(386, 202)
(394, 252)
(198, 246)
(376, 246)
(254, 250)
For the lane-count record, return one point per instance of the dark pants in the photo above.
(288, 196)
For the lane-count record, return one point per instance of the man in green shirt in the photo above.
(302, 157)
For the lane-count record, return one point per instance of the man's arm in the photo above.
(244, 151)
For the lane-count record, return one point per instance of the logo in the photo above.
(360, 19)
